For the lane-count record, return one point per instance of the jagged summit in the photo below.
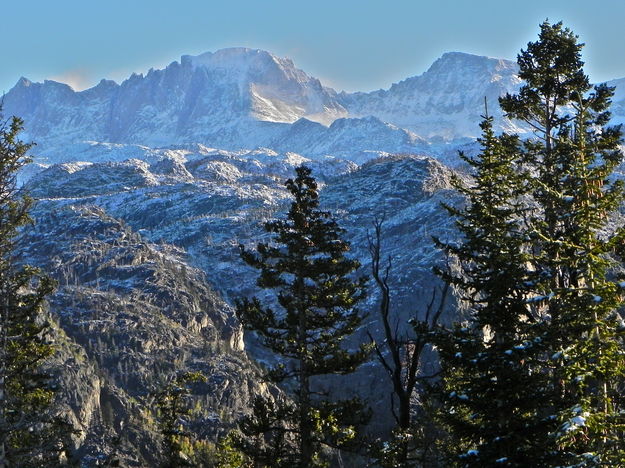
(458, 57)
(445, 101)
(23, 81)
(241, 58)
(461, 66)
(231, 98)
(250, 64)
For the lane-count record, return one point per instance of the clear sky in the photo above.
(348, 44)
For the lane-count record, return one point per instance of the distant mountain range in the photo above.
(243, 99)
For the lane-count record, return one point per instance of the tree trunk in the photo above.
(3, 368)
(306, 442)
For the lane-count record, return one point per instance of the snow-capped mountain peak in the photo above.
(241, 60)
(277, 91)
(23, 82)
(222, 98)
(444, 102)
(241, 99)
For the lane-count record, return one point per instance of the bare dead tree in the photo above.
(401, 352)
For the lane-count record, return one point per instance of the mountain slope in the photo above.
(444, 102)
(200, 209)
(243, 98)
(130, 315)
(228, 99)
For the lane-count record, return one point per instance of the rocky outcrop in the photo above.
(131, 314)
(133, 267)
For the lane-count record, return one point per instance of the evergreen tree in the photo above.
(228, 456)
(29, 435)
(269, 434)
(573, 156)
(173, 407)
(489, 387)
(305, 265)
(535, 376)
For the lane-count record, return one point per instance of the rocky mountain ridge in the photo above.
(243, 98)
(131, 315)
(147, 263)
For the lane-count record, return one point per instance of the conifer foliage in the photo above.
(534, 377)
(306, 266)
(173, 409)
(490, 391)
(573, 158)
(29, 435)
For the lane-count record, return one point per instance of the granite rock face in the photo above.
(147, 263)
(130, 314)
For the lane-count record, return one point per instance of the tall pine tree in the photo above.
(29, 436)
(489, 387)
(573, 156)
(536, 273)
(306, 267)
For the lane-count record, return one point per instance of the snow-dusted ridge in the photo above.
(233, 99)
(241, 99)
(444, 102)
(279, 92)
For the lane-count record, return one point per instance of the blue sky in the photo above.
(348, 44)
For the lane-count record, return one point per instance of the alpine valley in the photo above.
(145, 189)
